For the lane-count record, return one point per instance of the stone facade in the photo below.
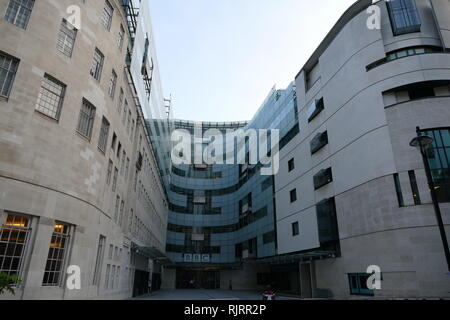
(49, 172)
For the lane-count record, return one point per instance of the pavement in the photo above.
(203, 294)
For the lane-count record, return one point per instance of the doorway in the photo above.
(197, 279)
(306, 280)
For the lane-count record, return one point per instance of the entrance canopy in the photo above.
(153, 254)
(298, 257)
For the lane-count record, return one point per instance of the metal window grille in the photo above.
(104, 132)
(51, 97)
(56, 255)
(112, 84)
(19, 12)
(99, 259)
(86, 120)
(8, 69)
(97, 64)
(14, 236)
(66, 38)
(107, 14)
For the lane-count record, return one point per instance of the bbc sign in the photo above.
(197, 258)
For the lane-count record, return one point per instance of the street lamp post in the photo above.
(423, 142)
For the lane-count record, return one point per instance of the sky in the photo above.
(220, 58)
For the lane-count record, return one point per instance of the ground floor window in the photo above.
(14, 236)
(358, 284)
(54, 268)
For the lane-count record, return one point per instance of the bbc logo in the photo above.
(197, 258)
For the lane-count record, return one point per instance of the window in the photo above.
(132, 130)
(125, 111)
(66, 38)
(97, 64)
(291, 165)
(119, 106)
(113, 275)
(293, 195)
(104, 133)
(114, 185)
(120, 219)
(109, 172)
(402, 53)
(404, 16)
(108, 270)
(127, 168)
(358, 284)
(318, 142)
(107, 14)
(14, 236)
(322, 178)
(439, 160)
(295, 229)
(116, 209)
(54, 268)
(421, 92)
(51, 97)
(112, 84)
(99, 260)
(110, 252)
(120, 37)
(327, 221)
(8, 68)
(19, 12)
(398, 189)
(414, 187)
(86, 120)
(122, 165)
(315, 108)
(129, 121)
(114, 141)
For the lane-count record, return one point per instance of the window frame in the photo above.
(11, 70)
(61, 97)
(63, 30)
(90, 119)
(20, 6)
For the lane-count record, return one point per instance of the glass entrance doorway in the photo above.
(198, 279)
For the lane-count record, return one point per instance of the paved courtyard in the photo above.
(202, 294)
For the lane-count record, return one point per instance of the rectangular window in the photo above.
(107, 15)
(132, 130)
(19, 12)
(8, 69)
(112, 84)
(114, 185)
(291, 165)
(116, 209)
(439, 159)
(113, 275)
(322, 178)
(127, 167)
(414, 187)
(104, 133)
(14, 236)
(404, 16)
(358, 284)
(109, 172)
(129, 121)
(122, 206)
(51, 97)
(125, 111)
(54, 268)
(99, 260)
(86, 119)
(315, 108)
(293, 195)
(398, 189)
(110, 252)
(122, 166)
(114, 141)
(66, 38)
(97, 64)
(318, 142)
(108, 270)
(119, 106)
(120, 37)
(295, 229)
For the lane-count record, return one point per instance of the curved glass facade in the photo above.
(224, 214)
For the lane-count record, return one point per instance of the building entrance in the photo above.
(197, 279)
